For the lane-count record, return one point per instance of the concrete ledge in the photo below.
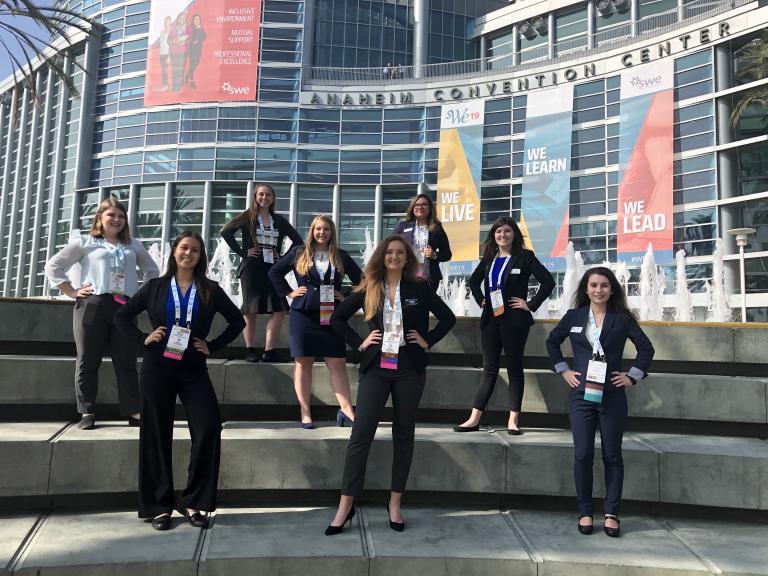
(673, 469)
(437, 542)
(45, 381)
(25, 453)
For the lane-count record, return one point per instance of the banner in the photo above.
(458, 176)
(202, 51)
(644, 213)
(546, 174)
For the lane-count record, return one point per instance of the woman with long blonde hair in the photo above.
(319, 266)
(262, 235)
(393, 362)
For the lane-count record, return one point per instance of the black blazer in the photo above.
(524, 265)
(439, 242)
(613, 336)
(418, 301)
(152, 297)
(283, 227)
(311, 300)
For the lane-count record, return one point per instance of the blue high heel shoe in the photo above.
(343, 420)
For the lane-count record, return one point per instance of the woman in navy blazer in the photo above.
(317, 263)
(420, 222)
(389, 273)
(505, 266)
(600, 314)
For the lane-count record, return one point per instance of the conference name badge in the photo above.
(597, 372)
(268, 255)
(326, 304)
(177, 342)
(497, 302)
(390, 346)
(117, 287)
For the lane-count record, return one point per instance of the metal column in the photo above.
(552, 40)
(336, 204)
(207, 216)
(167, 214)
(6, 189)
(85, 120)
(590, 24)
(377, 213)
(420, 36)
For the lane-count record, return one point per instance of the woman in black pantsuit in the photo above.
(319, 267)
(393, 361)
(424, 232)
(504, 272)
(262, 235)
(599, 325)
(181, 299)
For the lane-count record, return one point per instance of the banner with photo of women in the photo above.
(458, 176)
(546, 174)
(202, 51)
(644, 213)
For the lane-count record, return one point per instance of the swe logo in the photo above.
(643, 83)
(235, 90)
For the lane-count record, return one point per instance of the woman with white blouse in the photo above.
(108, 258)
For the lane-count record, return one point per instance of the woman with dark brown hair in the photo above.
(393, 362)
(108, 258)
(424, 232)
(181, 306)
(262, 235)
(319, 267)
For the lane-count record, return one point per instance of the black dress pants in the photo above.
(376, 384)
(94, 331)
(162, 380)
(493, 337)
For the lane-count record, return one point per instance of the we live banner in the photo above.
(644, 214)
(458, 176)
(202, 51)
(546, 174)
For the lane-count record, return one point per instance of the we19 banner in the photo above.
(202, 51)
(458, 176)
(644, 214)
(546, 174)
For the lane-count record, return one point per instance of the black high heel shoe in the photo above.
(333, 530)
(343, 420)
(612, 532)
(585, 528)
(396, 526)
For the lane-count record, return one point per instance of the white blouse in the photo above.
(97, 260)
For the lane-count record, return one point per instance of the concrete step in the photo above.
(436, 542)
(50, 462)
(39, 382)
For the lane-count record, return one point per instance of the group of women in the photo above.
(396, 293)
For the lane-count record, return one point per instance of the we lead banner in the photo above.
(202, 51)
(644, 214)
(458, 176)
(546, 174)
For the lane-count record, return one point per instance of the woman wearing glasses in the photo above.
(424, 232)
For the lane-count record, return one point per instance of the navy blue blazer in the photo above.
(613, 336)
(516, 276)
(311, 300)
(439, 242)
(418, 300)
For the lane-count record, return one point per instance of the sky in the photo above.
(26, 25)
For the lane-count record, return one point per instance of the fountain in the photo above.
(221, 270)
(719, 310)
(160, 254)
(574, 270)
(370, 246)
(683, 303)
(651, 288)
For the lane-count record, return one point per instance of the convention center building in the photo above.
(612, 124)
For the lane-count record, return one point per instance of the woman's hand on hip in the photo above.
(157, 335)
(373, 338)
(519, 303)
(254, 252)
(571, 378)
(414, 337)
(84, 291)
(300, 291)
(620, 379)
(201, 346)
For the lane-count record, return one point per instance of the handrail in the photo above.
(567, 50)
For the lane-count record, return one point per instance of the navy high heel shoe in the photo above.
(343, 420)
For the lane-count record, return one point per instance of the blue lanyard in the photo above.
(597, 348)
(499, 276)
(177, 302)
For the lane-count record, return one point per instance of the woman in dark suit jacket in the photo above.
(263, 233)
(424, 232)
(505, 269)
(393, 361)
(599, 325)
(318, 265)
(182, 298)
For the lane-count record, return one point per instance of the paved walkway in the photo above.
(437, 541)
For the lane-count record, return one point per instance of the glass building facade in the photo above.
(193, 166)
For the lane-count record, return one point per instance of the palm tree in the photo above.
(21, 47)
(752, 65)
